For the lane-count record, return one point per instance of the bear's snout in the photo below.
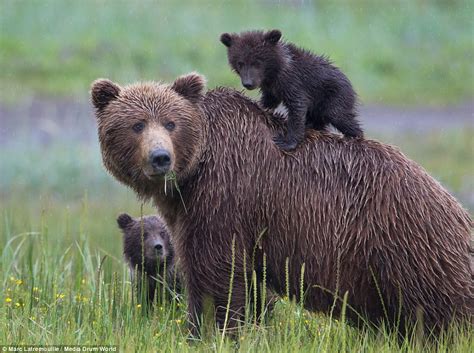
(160, 160)
(249, 86)
(250, 77)
(248, 83)
(159, 249)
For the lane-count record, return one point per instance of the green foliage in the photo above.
(59, 288)
(394, 52)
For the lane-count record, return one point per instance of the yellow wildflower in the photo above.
(139, 306)
(8, 299)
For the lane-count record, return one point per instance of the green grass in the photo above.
(59, 289)
(401, 52)
(57, 224)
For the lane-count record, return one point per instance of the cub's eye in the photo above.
(240, 65)
(145, 235)
(170, 126)
(138, 127)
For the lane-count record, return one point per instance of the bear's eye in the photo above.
(240, 65)
(138, 127)
(170, 126)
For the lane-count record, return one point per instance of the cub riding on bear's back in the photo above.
(315, 92)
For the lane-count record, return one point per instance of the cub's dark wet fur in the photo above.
(315, 92)
(149, 253)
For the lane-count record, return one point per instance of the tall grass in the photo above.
(78, 294)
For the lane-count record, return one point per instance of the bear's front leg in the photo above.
(230, 304)
(269, 101)
(296, 125)
(225, 290)
(194, 311)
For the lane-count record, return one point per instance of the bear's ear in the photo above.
(103, 92)
(272, 36)
(124, 220)
(190, 86)
(226, 39)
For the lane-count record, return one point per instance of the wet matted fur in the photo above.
(360, 216)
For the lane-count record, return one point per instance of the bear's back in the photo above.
(373, 181)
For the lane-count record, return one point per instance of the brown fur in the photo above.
(148, 251)
(359, 215)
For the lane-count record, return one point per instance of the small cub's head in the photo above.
(254, 55)
(148, 130)
(146, 240)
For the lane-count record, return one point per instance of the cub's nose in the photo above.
(248, 84)
(160, 160)
(159, 248)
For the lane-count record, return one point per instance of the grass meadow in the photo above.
(62, 276)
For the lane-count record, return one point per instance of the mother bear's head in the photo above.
(149, 130)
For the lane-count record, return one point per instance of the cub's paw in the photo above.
(285, 143)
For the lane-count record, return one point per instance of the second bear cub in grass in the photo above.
(149, 253)
(315, 92)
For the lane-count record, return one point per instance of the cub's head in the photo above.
(148, 130)
(145, 240)
(254, 55)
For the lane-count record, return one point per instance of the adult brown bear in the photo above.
(360, 216)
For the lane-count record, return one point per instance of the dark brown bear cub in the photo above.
(149, 253)
(315, 92)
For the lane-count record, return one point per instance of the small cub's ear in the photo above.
(190, 86)
(272, 36)
(226, 39)
(103, 91)
(124, 220)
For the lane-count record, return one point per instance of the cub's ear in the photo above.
(124, 220)
(272, 36)
(190, 86)
(103, 91)
(226, 39)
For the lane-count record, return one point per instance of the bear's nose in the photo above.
(158, 248)
(160, 160)
(248, 84)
